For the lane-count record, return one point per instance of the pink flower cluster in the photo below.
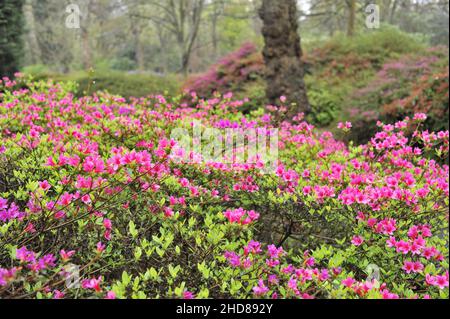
(115, 167)
(9, 212)
(93, 283)
(415, 246)
(277, 274)
(438, 281)
(363, 288)
(413, 267)
(344, 126)
(241, 216)
(6, 275)
(33, 263)
(290, 177)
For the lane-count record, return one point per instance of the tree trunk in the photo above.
(214, 37)
(393, 11)
(351, 17)
(35, 52)
(85, 38)
(138, 47)
(188, 43)
(282, 55)
(87, 61)
(163, 47)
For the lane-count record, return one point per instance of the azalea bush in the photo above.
(347, 77)
(391, 95)
(95, 204)
(244, 65)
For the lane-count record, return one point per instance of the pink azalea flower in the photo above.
(261, 289)
(420, 117)
(188, 295)
(60, 214)
(65, 256)
(348, 282)
(418, 267)
(86, 199)
(345, 126)
(44, 185)
(107, 223)
(408, 267)
(110, 295)
(233, 259)
(357, 241)
(100, 247)
(58, 294)
(93, 283)
(441, 282)
(430, 280)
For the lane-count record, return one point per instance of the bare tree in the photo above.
(182, 18)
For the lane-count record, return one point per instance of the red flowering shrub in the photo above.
(94, 204)
(404, 86)
(343, 74)
(242, 66)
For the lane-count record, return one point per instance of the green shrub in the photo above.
(122, 64)
(335, 68)
(326, 100)
(107, 188)
(119, 83)
(375, 45)
(35, 69)
(411, 83)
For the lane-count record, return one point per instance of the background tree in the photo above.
(11, 30)
(55, 43)
(282, 54)
(31, 42)
(188, 36)
(351, 17)
(182, 18)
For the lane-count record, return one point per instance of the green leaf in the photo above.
(174, 271)
(137, 253)
(126, 279)
(132, 229)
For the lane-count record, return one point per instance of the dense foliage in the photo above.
(242, 66)
(11, 30)
(392, 95)
(349, 77)
(123, 84)
(94, 183)
(153, 36)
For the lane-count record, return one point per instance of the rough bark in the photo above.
(282, 55)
